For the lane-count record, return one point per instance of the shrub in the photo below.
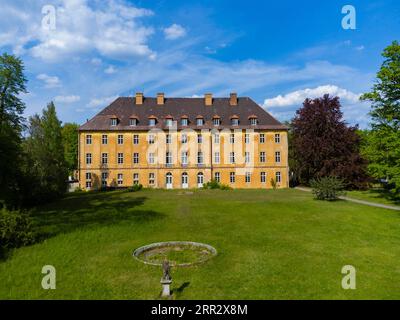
(273, 183)
(15, 229)
(214, 184)
(327, 188)
(135, 188)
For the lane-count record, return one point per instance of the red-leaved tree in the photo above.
(324, 145)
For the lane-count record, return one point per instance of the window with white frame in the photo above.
(278, 177)
(133, 122)
(200, 121)
(184, 138)
(88, 139)
(277, 156)
(88, 184)
(168, 122)
(88, 158)
(253, 121)
(216, 138)
(120, 158)
(135, 139)
(184, 157)
(104, 177)
(120, 179)
(247, 157)
(184, 122)
(104, 139)
(217, 157)
(199, 138)
(88, 176)
(262, 156)
(152, 122)
(168, 138)
(263, 177)
(262, 138)
(232, 177)
(247, 138)
(151, 178)
(114, 121)
(136, 178)
(217, 176)
(247, 177)
(232, 157)
(135, 157)
(277, 138)
(216, 121)
(120, 139)
(151, 158)
(151, 138)
(234, 122)
(168, 158)
(200, 157)
(232, 138)
(104, 158)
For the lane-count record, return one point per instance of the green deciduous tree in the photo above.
(70, 142)
(382, 145)
(12, 84)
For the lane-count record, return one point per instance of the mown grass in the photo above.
(275, 244)
(377, 195)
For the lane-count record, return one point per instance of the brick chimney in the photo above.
(160, 98)
(233, 101)
(208, 100)
(139, 98)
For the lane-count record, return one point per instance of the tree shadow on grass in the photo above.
(385, 194)
(90, 210)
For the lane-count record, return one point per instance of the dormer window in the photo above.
(184, 121)
(253, 120)
(235, 120)
(168, 121)
(152, 121)
(199, 121)
(113, 121)
(216, 121)
(133, 121)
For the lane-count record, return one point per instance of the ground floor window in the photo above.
(168, 180)
(104, 177)
(151, 178)
(217, 177)
(263, 177)
(185, 179)
(120, 179)
(136, 178)
(200, 179)
(232, 177)
(247, 177)
(278, 177)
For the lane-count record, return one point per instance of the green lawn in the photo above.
(275, 244)
(375, 195)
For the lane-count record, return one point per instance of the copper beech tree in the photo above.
(324, 145)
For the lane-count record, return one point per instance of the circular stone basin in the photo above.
(178, 253)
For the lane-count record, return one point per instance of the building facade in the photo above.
(183, 143)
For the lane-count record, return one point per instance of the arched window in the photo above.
(168, 180)
(200, 179)
(185, 180)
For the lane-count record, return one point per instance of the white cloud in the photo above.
(101, 102)
(110, 70)
(49, 81)
(112, 28)
(298, 97)
(67, 99)
(175, 31)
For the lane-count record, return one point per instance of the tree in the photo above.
(12, 84)
(323, 145)
(383, 147)
(70, 142)
(45, 162)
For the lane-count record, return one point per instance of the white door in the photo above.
(185, 183)
(168, 180)
(200, 180)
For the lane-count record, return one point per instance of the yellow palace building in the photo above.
(170, 143)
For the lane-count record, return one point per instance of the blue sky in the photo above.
(277, 52)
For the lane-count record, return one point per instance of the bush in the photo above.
(15, 229)
(273, 183)
(135, 188)
(327, 188)
(214, 184)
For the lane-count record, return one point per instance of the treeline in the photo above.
(37, 154)
(321, 144)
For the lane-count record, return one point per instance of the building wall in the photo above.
(159, 148)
